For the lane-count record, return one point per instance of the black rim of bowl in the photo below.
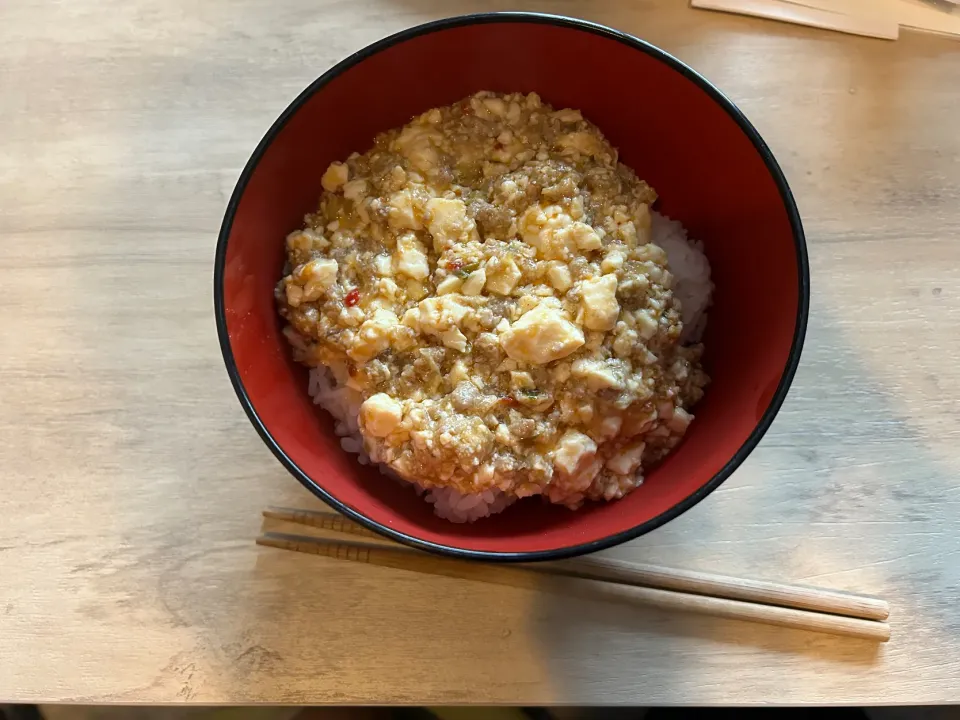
(522, 17)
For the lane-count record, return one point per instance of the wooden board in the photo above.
(133, 482)
(873, 18)
(802, 13)
(940, 17)
(921, 15)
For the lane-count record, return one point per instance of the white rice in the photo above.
(691, 272)
(692, 286)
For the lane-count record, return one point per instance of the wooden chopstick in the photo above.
(629, 573)
(323, 520)
(526, 576)
(733, 588)
(754, 600)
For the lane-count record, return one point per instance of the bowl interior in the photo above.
(707, 171)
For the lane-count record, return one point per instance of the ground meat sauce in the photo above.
(482, 285)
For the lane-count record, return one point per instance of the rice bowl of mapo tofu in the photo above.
(487, 304)
(498, 313)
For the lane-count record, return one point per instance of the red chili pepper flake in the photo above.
(352, 298)
(509, 401)
(454, 265)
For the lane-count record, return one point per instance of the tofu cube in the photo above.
(400, 213)
(317, 276)
(373, 336)
(541, 336)
(505, 279)
(454, 339)
(380, 414)
(584, 236)
(474, 283)
(574, 449)
(627, 460)
(448, 222)
(600, 306)
(411, 260)
(449, 284)
(559, 276)
(436, 314)
(335, 176)
(599, 375)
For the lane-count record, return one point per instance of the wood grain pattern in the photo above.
(825, 18)
(925, 15)
(133, 483)
(543, 578)
(332, 527)
(872, 18)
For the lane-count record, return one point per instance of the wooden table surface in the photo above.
(132, 481)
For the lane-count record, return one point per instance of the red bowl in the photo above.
(710, 167)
